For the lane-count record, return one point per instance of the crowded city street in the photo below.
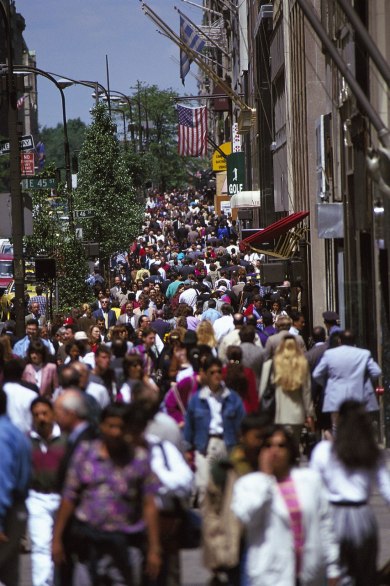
(194, 293)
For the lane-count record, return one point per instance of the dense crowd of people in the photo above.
(187, 406)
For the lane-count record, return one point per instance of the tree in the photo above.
(105, 186)
(52, 237)
(53, 139)
(153, 156)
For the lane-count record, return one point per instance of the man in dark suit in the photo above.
(313, 356)
(105, 313)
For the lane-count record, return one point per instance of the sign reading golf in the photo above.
(236, 173)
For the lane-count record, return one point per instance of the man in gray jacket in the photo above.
(347, 372)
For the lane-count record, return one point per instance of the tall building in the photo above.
(27, 94)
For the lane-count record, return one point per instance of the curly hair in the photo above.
(290, 365)
(206, 335)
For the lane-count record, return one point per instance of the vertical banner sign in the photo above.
(236, 173)
(236, 138)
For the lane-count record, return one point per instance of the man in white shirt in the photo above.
(225, 324)
(19, 397)
(189, 295)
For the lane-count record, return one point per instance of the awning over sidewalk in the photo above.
(281, 231)
(245, 199)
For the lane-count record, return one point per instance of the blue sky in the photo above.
(73, 37)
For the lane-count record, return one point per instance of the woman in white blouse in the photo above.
(288, 528)
(349, 467)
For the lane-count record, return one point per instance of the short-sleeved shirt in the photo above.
(108, 496)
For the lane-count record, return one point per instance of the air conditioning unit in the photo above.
(246, 120)
(266, 11)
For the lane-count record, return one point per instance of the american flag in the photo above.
(190, 38)
(20, 102)
(192, 131)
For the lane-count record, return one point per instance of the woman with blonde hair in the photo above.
(206, 335)
(288, 374)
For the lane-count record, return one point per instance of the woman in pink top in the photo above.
(39, 371)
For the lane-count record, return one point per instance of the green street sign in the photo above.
(30, 183)
(235, 173)
(84, 214)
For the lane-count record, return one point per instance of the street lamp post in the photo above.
(17, 211)
(65, 82)
(20, 69)
(124, 124)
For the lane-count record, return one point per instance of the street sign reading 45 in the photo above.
(84, 214)
(39, 183)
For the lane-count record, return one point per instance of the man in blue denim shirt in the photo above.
(213, 419)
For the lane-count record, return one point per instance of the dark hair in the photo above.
(38, 347)
(347, 338)
(256, 421)
(102, 349)
(291, 444)
(355, 444)
(131, 360)
(296, 315)
(43, 401)
(211, 361)
(13, 369)
(235, 375)
(319, 334)
(147, 331)
(69, 377)
(212, 304)
(247, 334)
(82, 348)
(32, 322)
(267, 318)
(238, 319)
(119, 348)
(226, 309)
(137, 416)
(113, 410)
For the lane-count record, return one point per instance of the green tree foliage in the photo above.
(53, 139)
(105, 186)
(52, 238)
(152, 157)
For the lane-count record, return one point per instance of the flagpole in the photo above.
(203, 7)
(202, 32)
(190, 53)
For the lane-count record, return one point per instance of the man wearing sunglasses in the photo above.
(213, 419)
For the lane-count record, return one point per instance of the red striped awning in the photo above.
(273, 231)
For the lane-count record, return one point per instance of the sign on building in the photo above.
(235, 173)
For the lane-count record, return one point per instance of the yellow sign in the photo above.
(218, 162)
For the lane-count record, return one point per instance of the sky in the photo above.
(73, 37)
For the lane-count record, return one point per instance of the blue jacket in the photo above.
(198, 417)
(15, 452)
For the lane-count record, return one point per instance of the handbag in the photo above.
(268, 397)
(180, 528)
